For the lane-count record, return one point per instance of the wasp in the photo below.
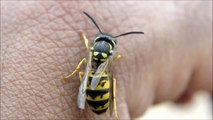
(98, 86)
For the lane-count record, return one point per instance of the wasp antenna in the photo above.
(93, 21)
(123, 34)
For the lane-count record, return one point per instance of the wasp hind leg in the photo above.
(76, 69)
(114, 99)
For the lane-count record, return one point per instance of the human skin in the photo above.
(40, 45)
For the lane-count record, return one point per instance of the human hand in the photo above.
(40, 45)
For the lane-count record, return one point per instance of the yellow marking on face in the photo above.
(103, 60)
(95, 58)
(104, 55)
(95, 53)
(100, 107)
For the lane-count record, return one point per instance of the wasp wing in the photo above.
(82, 89)
(97, 76)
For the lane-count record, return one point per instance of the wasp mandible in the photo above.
(98, 86)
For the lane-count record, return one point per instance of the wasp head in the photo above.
(104, 43)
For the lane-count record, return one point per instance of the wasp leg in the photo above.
(118, 57)
(81, 75)
(76, 69)
(114, 99)
(86, 41)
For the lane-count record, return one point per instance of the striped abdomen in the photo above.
(98, 99)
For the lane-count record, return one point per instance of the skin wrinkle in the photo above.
(18, 103)
(52, 54)
(112, 18)
(124, 22)
(133, 103)
(128, 75)
(134, 70)
(14, 85)
(165, 55)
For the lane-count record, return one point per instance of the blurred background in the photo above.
(200, 107)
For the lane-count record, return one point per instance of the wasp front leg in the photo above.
(86, 41)
(118, 57)
(76, 69)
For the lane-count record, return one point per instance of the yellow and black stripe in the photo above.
(98, 99)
